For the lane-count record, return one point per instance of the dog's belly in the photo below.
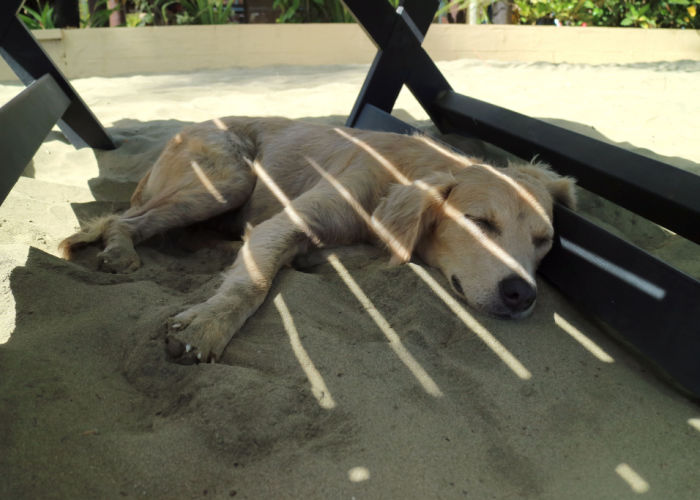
(267, 199)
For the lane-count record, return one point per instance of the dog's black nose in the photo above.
(517, 294)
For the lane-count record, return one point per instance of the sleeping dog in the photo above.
(289, 186)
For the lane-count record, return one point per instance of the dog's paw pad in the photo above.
(181, 352)
(174, 347)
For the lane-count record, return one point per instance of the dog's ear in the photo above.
(562, 189)
(407, 211)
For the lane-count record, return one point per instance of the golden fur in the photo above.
(290, 186)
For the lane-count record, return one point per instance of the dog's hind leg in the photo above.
(159, 214)
(198, 176)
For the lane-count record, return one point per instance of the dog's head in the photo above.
(485, 228)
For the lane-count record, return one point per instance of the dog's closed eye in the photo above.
(485, 224)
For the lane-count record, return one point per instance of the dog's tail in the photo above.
(92, 231)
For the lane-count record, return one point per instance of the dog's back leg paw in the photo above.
(118, 259)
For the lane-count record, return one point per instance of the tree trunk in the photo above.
(501, 13)
(116, 18)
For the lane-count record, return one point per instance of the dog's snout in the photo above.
(517, 294)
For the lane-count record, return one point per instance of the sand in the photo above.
(312, 398)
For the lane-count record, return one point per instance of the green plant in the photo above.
(640, 13)
(566, 11)
(664, 14)
(329, 11)
(98, 17)
(201, 11)
(147, 13)
(150, 12)
(40, 19)
(637, 16)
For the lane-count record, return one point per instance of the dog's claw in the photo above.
(176, 326)
(188, 348)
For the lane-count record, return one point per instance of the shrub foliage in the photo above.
(40, 14)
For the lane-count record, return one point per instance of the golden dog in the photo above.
(290, 186)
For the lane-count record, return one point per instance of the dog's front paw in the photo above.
(197, 335)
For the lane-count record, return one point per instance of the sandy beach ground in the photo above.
(313, 399)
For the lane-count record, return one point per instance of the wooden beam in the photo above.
(29, 61)
(657, 191)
